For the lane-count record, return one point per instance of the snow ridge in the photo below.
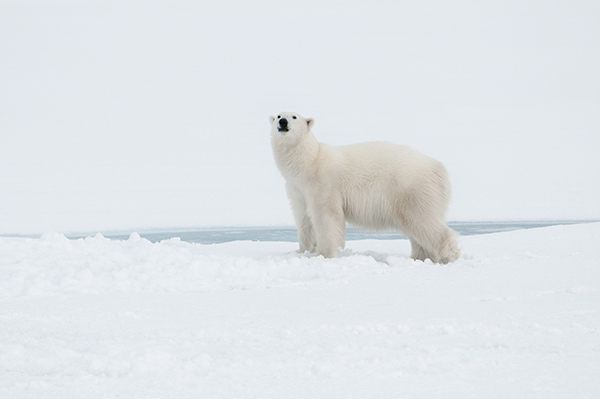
(54, 264)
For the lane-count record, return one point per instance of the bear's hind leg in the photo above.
(449, 251)
(422, 221)
(418, 253)
(435, 241)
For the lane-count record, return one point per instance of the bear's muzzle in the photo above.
(283, 126)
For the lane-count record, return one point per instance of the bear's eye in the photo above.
(278, 116)
(293, 117)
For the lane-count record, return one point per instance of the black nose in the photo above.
(283, 123)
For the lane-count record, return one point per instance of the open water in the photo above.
(288, 233)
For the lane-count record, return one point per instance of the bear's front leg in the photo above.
(306, 235)
(329, 227)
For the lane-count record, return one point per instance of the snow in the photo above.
(518, 316)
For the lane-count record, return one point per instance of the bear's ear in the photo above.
(310, 122)
(271, 119)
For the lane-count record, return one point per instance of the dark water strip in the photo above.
(288, 233)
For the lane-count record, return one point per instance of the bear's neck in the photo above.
(295, 160)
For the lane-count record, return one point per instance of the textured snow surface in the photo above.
(518, 316)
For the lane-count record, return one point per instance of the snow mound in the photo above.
(54, 264)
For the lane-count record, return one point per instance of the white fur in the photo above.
(377, 186)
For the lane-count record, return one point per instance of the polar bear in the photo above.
(376, 186)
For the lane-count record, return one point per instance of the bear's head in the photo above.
(290, 125)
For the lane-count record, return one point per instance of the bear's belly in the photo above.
(372, 211)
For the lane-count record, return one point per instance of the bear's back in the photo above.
(384, 158)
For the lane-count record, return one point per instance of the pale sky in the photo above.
(129, 116)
